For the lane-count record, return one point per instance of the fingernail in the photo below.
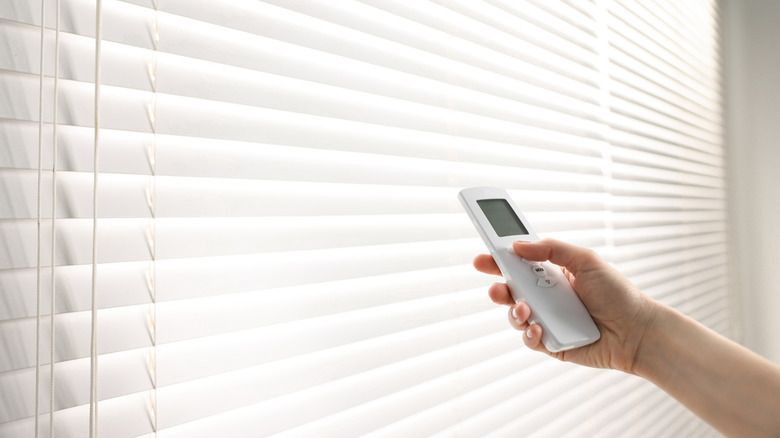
(529, 333)
(514, 313)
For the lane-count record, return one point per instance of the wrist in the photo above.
(649, 349)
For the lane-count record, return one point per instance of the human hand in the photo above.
(620, 310)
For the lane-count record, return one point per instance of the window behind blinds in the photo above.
(279, 245)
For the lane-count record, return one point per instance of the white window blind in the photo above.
(279, 245)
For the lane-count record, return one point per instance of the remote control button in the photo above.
(546, 282)
(539, 270)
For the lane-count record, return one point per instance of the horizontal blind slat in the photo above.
(632, 25)
(174, 359)
(331, 384)
(128, 196)
(671, 86)
(302, 151)
(322, 35)
(576, 17)
(625, 40)
(517, 38)
(132, 410)
(127, 109)
(122, 374)
(129, 153)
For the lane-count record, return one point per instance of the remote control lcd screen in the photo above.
(501, 217)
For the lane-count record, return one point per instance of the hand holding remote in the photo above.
(619, 309)
(553, 303)
(727, 385)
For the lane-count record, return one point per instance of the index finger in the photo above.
(485, 263)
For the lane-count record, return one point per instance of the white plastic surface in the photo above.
(554, 304)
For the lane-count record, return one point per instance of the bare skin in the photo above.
(727, 385)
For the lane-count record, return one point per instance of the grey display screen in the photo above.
(501, 217)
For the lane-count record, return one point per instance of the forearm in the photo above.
(730, 387)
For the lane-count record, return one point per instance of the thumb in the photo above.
(572, 257)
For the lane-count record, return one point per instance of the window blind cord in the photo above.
(38, 263)
(153, 208)
(54, 215)
(606, 118)
(93, 408)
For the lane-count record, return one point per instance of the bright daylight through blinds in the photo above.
(279, 247)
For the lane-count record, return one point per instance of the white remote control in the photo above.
(565, 321)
